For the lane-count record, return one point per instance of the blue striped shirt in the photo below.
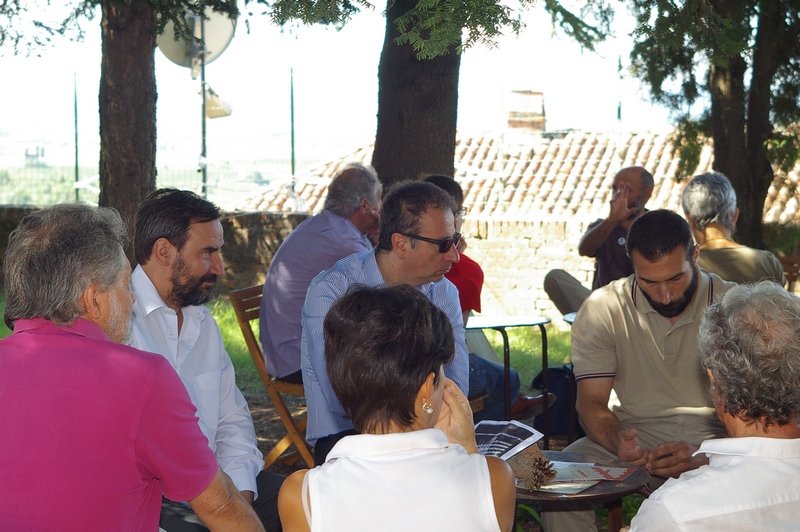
(325, 415)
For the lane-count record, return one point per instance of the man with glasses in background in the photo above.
(417, 246)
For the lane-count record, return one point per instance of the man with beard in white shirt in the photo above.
(177, 242)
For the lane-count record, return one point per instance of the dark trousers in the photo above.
(486, 377)
(179, 517)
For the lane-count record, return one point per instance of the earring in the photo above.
(427, 407)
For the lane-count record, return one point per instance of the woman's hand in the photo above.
(455, 417)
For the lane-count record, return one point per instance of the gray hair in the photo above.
(349, 186)
(750, 341)
(709, 198)
(55, 254)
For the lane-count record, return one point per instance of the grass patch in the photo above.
(4, 331)
(246, 375)
(525, 344)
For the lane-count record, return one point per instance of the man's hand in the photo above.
(673, 458)
(619, 205)
(455, 417)
(630, 450)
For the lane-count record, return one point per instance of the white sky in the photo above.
(335, 81)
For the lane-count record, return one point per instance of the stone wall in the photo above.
(251, 239)
(515, 257)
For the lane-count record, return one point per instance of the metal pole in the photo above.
(75, 111)
(203, 91)
(291, 111)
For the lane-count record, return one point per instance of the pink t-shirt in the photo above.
(93, 432)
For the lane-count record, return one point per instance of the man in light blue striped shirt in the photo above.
(417, 246)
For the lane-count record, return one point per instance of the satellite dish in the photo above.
(212, 35)
(216, 30)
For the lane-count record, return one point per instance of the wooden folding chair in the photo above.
(791, 269)
(246, 303)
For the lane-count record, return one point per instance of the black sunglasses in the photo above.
(444, 243)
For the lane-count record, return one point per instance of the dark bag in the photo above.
(561, 383)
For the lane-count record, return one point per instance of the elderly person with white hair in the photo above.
(749, 345)
(709, 203)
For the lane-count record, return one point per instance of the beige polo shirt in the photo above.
(661, 386)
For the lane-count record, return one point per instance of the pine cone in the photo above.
(540, 472)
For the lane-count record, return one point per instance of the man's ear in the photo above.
(401, 245)
(646, 195)
(163, 253)
(364, 206)
(92, 309)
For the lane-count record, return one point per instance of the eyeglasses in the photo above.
(462, 211)
(444, 243)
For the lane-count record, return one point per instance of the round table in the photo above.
(606, 492)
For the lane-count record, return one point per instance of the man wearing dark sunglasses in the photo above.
(417, 246)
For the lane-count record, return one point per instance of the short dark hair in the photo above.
(656, 234)
(449, 185)
(380, 346)
(168, 213)
(404, 205)
(750, 341)
(55, 254)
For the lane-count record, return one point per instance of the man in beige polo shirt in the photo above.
(638, 336)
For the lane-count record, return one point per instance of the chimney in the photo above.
(526, 111)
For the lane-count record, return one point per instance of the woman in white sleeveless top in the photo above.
(415, 465)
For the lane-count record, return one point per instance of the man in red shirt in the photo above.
(485, 377)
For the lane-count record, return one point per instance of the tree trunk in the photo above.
(728, 94)
(765, 65)
(417, 103)
(127, 106)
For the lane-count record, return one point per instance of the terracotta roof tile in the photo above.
(533, 178)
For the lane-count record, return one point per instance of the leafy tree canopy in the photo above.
(26, 25)
(432, 27)
(678, 43)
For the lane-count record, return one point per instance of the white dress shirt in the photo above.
(749, 484)
(199, 357)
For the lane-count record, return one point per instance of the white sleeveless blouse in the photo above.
(406, 482)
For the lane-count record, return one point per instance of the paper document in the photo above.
(504, 439)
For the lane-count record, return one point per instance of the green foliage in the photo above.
(24, 27)
(524, 512)
(688, 140)
(784, 148)
(41, 186)
(432, 27)
(4, 331)
(334, 13)
(630, 507)
(587, 35)
(673, 40)
(782, 239)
